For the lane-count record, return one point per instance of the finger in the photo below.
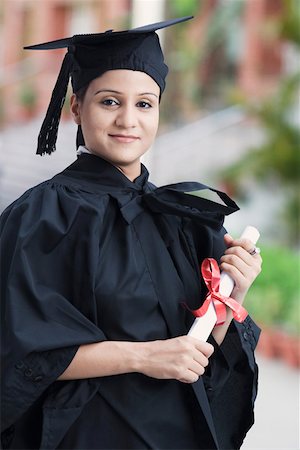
(237, 261)
(246, 244)
(250, 260)
(248, 269)
(228, 239)
(194, 377)
(204, 347)
(189, 377)
(243, 276)
(199, 360)
(197, 367)
(245, 263)
(240, 279)
(243, 248)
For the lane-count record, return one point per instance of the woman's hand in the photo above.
(182, 358)
(243, 269)
(240, 265)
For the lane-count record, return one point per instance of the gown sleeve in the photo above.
(232, 375)
(48, 253)
(231, 383)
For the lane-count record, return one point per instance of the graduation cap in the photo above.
(90, 55)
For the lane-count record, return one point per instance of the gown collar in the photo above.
(96, 169)
(179, 199)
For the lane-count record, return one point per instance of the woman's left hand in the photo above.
(240, 265)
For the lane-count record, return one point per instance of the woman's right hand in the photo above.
(182, 358)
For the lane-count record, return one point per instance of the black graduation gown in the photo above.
(89, 256)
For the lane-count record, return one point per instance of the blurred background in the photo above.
(229, 118)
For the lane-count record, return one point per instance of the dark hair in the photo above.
(80, 94)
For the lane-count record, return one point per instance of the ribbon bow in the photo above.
(211, 275)
(177, 199)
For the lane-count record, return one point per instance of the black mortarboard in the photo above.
(90, 55)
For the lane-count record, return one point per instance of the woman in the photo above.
(96, 265)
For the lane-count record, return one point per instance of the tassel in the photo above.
(49, 129)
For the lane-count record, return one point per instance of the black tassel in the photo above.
(48, 133)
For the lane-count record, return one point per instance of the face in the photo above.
(119, 117)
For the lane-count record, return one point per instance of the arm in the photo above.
(243, 268)
(43, 320)
(183, 358)
(231, 383)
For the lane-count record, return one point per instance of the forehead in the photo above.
(126, 81)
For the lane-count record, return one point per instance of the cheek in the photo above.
(153, 125)
(89, 128)
(93, 121)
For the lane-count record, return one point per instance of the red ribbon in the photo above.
(211, 275)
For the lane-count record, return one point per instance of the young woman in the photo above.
(96, 264)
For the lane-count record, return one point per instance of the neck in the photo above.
(130, 172)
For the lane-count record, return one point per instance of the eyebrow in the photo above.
(120, 93)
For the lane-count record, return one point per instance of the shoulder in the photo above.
(55, 201)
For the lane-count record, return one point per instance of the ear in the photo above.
(75, 109)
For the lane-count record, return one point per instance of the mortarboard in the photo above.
(90, 55)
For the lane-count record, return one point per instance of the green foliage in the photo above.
(290, 29)
(184, 7)
(279, 153)
(278, 115)
(200, 66)
(274, 298)
(28, 96)
(291, 216)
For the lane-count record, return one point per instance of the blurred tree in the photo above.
(278, 115)
(203, 54)
(185, 7)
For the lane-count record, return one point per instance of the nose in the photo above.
(127, 117)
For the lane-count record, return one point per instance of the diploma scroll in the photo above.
(203, 326)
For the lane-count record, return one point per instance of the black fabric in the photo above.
(228, 403)
(93, 54)
(86, 258)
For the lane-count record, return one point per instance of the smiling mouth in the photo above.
(124, 138)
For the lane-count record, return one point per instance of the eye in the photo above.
(109, 102)
(143, 104)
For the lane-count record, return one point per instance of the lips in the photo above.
(124, 138)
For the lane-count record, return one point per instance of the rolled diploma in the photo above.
(203, 326)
